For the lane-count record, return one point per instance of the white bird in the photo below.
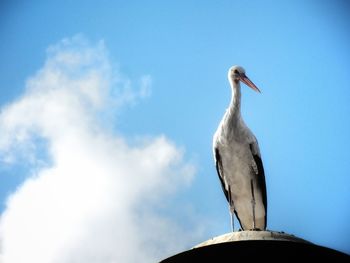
(238, 161)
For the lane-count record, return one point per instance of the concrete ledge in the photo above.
(251, 235)
(260, 245)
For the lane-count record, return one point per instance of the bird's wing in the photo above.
(258, 169)
(220, 170)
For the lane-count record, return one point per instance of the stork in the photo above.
(238, 161)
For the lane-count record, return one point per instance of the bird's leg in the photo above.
(232, 209)
(253, 203)
(232, 213)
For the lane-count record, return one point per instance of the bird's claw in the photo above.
(255, 229)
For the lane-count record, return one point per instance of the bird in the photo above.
(238, 161)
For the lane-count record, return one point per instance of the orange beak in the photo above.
(248, 82)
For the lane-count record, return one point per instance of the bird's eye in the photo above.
(236, 71)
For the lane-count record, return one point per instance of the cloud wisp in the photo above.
(94, 197)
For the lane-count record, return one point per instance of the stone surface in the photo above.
(261, 246)
(251, 235)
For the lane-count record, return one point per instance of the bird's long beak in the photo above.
(249, 83)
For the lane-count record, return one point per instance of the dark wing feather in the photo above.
(220, 170)
(260, 174)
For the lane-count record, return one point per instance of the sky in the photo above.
(108, 109)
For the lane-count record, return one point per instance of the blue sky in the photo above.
(165, 64)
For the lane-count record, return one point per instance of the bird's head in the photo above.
(237, 73)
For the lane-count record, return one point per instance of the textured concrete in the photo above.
(257, 245)
(251, 235)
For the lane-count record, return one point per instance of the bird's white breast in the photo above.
(236, 156)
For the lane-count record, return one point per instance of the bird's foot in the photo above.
(255, 229)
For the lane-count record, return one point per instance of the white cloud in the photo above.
(98, 198)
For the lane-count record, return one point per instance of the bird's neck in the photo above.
(234, 109)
